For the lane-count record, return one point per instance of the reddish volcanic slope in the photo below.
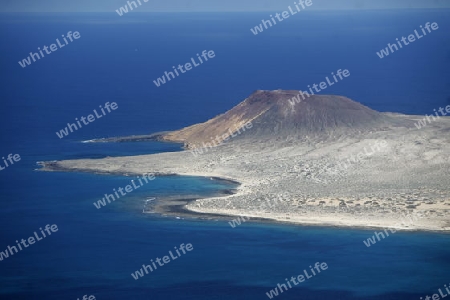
(278, 114)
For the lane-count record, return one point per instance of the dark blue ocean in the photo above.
(116, 59)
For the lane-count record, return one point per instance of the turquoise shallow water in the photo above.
(95, 251)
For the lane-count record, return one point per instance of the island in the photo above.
(320, 160)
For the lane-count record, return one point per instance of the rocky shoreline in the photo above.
(309, 164)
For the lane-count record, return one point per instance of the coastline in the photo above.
(189, 208)
(288, 180)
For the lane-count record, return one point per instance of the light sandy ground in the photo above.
(289, 179)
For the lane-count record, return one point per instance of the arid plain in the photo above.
(326, 160)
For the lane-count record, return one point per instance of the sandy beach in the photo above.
(285, 181)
